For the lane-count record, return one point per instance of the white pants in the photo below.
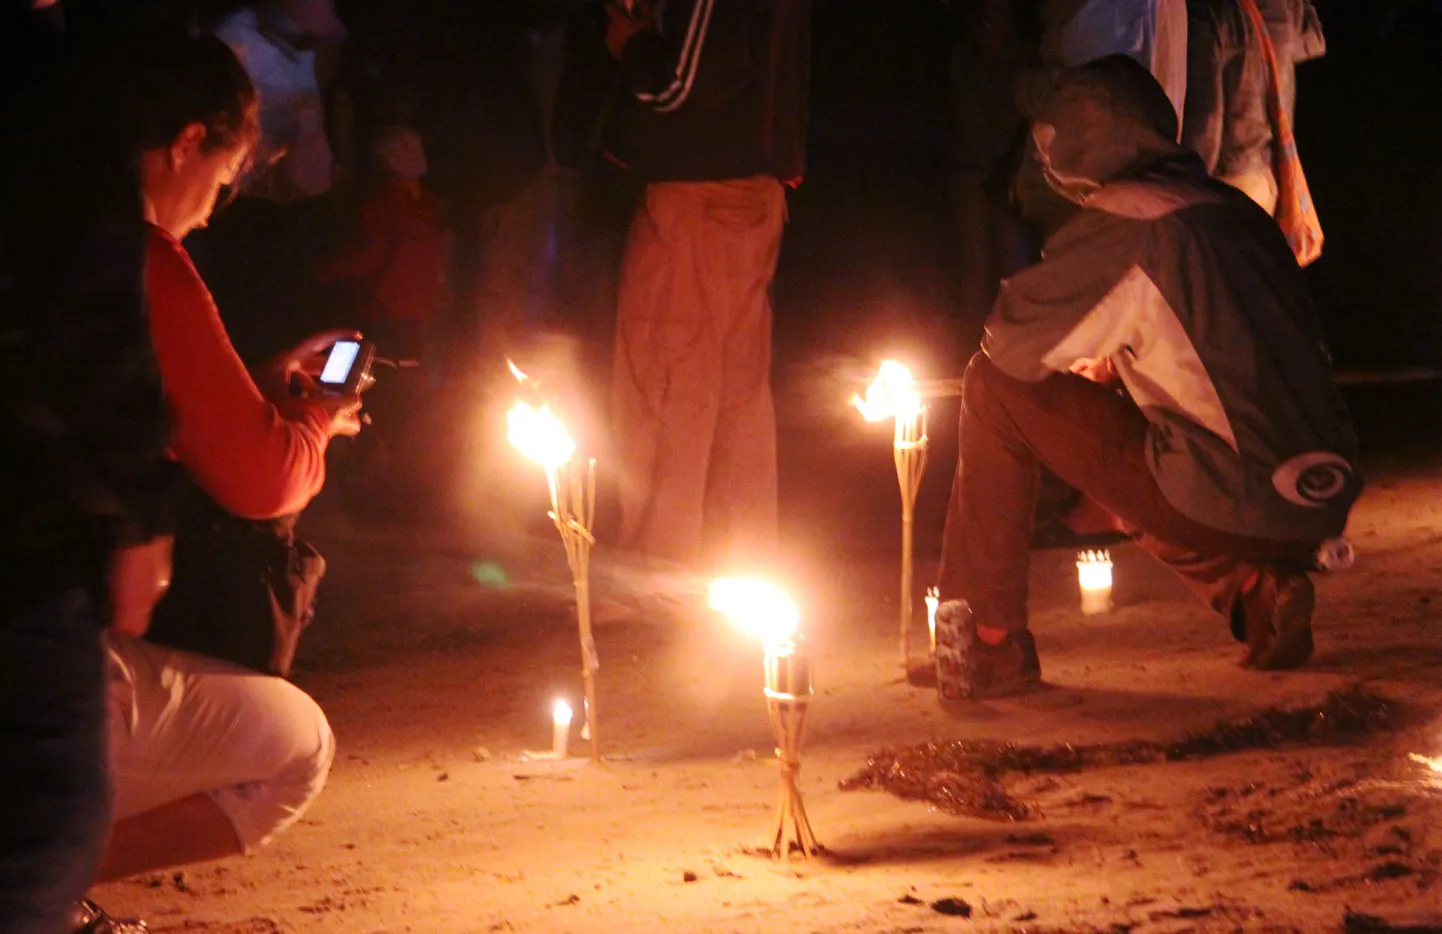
(183, 724)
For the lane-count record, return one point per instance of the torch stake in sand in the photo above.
(910, 451)
(788, 699)
(893, 394)
(573, 509)
(767, 611)
(539, 434)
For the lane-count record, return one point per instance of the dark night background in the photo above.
(872, 243)
(869, 263)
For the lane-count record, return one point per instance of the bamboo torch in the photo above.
(541, 437)
(765, 610)
(893, 394)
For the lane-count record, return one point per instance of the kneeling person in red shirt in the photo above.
(209, 759)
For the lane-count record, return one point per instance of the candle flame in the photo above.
(1433, 764)
(1094, 569)
(539, 435)
(891, 395)
(758, 607)
(562, 713)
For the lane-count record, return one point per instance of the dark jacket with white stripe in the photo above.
(718, 90)
(1192, 292)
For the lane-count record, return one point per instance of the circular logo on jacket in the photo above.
(1313, 479)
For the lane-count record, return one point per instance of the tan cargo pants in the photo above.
(693, 418)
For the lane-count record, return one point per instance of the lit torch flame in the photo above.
(1433, 764)
(891, 395)
(539, 435)
(758, 607)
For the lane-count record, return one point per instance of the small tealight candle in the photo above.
(933, 600)
(561, 734)
(1094, 574)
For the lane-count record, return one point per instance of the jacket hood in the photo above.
(1098, 122)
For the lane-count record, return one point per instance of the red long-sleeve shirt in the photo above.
(235, 444)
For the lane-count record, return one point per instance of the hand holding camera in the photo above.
(328, 371)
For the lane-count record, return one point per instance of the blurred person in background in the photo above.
(278, 43)
(398, 258)
(481, 117)
(1227, 119)
(395, 271)
(260, 255)
(1151, 32)
(997, 42)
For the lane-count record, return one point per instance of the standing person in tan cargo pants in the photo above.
(713, 117)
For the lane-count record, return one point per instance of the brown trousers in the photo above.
(1094, 439)
(694, 423)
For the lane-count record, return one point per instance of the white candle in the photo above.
(561, 732)
(1094, 574)
(933, 600)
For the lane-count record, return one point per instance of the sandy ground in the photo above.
(437, 658)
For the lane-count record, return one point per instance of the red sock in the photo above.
(991, 636)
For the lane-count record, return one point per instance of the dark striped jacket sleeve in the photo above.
(664, 65)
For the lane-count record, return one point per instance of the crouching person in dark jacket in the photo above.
(1163, 358)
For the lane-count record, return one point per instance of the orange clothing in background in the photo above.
(238, 447)
(400, 256)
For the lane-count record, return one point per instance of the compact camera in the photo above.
(347, 369)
